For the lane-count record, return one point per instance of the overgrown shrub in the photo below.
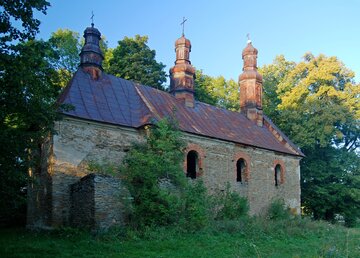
(278, 211)
(230, 205)
(146, 166)
(196, 207)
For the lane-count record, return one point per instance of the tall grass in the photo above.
(245, 237)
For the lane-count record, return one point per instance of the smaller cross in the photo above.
(183, 25)
(92, 18)
(248, 37)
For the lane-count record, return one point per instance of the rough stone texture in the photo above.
(82, 209)
(79, 142)
(111, 199)
(76, 144)
(219, 167)
(97, 202)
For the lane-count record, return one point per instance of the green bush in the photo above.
(230, 205)
(278, 211)
(196, 206)
(152, 173)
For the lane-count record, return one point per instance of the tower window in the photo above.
(240, 170)
(192, 164)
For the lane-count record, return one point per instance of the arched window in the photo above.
(192, 164)
(240, 170)
(277, 174)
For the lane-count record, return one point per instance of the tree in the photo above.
(203, 90)
(28, 90)
(273, 75)
(133, 60)
(22, 10)
(316, 103)
(66, 44)
(217, 91)
(27, 98)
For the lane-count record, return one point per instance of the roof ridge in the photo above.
(149, 106)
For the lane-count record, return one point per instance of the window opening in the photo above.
(277, 174)
(192, 163)
(240, 170)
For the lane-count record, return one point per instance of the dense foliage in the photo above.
(152, 170)
(316, 103)
(217, 91)
(23, 12)
(28, 89)
(133, 60)
(66, 44)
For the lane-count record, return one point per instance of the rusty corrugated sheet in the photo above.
(121, 102)
(109, 99)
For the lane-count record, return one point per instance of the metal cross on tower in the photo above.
(183, 26)
(92, 18)
(248, 37)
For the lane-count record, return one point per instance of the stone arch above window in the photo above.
(279, 172)
(242, 167)
(193, 162)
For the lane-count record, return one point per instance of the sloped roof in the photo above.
(120, 102)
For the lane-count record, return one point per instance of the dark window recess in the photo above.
(240, 170)
(277, 174)
(192, 160)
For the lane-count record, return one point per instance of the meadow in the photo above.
(250, 237)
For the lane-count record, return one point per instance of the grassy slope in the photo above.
(230, 239)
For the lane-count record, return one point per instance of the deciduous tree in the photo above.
(217, 91)
(28, 89)
(316, 103)
(133, 60)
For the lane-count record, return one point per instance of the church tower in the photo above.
(183, 73)
(91, 56)
(250, 82)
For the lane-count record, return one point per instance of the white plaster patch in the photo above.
(71, 152)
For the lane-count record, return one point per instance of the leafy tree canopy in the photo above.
(19, 11)
(133, 60)
(316, 103)
(28, 89)
(217, 91)
(66, 44)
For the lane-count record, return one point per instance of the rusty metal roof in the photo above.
(120, 102)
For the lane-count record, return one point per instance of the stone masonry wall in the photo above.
(97, 202)
(82, 209)
(219, 167)
(80, 142)
(110, 202)
(76, 144)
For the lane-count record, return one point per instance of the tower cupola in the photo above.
(182, 75)
(250, 82)
(91, 56)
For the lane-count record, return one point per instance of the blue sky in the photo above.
(217, 29)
